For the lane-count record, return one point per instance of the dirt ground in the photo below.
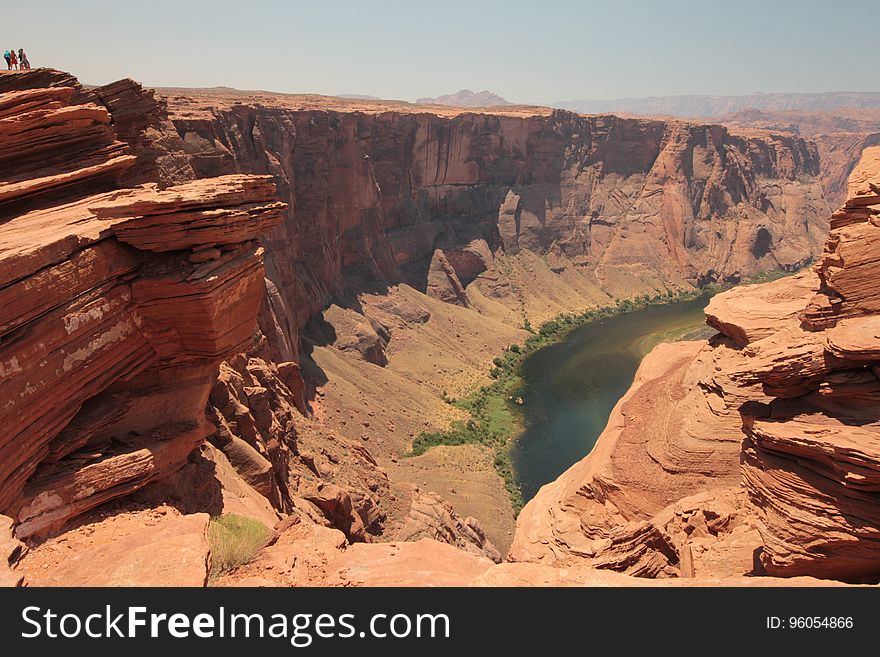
(449, 355)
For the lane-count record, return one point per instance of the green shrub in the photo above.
(234, 541)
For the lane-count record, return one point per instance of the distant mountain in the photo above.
(358, 96)
(466, 98)
(701, 106)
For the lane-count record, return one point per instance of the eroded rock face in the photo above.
(431, 517)
(675, 433)
(49, 147)
(428, 199)
(118, 306)
(751, 312)
(811, 461)
(794, 368)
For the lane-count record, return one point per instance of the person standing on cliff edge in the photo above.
(14, 60)
(8, 56)
(23, 63)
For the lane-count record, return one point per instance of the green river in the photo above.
(569, 388)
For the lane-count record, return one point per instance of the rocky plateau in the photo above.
(220, 302)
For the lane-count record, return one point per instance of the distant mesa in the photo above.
(466, 98)
(704, 106)
(358, 97)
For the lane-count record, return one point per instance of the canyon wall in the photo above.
(409, 248)
(754, 453)
(387, 195)
(840, 136)
(118, 306)
(513, 215)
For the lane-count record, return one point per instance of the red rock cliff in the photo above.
(118, 305)
(404, 195)
(673, 489)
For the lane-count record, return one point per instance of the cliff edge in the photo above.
(753, 453)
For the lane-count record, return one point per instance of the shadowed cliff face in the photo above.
(118, 305)
(636, 205)
(840, 135)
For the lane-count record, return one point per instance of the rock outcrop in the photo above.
(794, 368)
(385, 195)
(676, 433)
(431, 517)
(811, 458)
(118, 307)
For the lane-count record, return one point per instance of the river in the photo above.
(569, 388)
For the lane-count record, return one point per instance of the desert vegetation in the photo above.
(234, 541)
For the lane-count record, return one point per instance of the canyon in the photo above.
(221, 302)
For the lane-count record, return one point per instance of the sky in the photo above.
(528, 52)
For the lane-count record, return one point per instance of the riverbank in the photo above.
(494, 418)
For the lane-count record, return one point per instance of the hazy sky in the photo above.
(536, 51)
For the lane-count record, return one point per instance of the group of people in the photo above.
(16, 62)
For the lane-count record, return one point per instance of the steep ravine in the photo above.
(518, 215)
(410, 249)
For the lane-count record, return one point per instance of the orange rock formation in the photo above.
(795, 369)
(137, 321)
(118, 307)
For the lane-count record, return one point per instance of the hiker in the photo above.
(23, 63)
(14, 60)
(7, 55)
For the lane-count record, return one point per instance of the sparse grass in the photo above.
(774, 274)
(234, 541)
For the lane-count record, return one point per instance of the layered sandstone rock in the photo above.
(811, 463)
(141, 120)
(387, 194)
(795, 367)
(430, 517)
(675, 433)
(751, 312)
(48, 147)
(118, 307)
